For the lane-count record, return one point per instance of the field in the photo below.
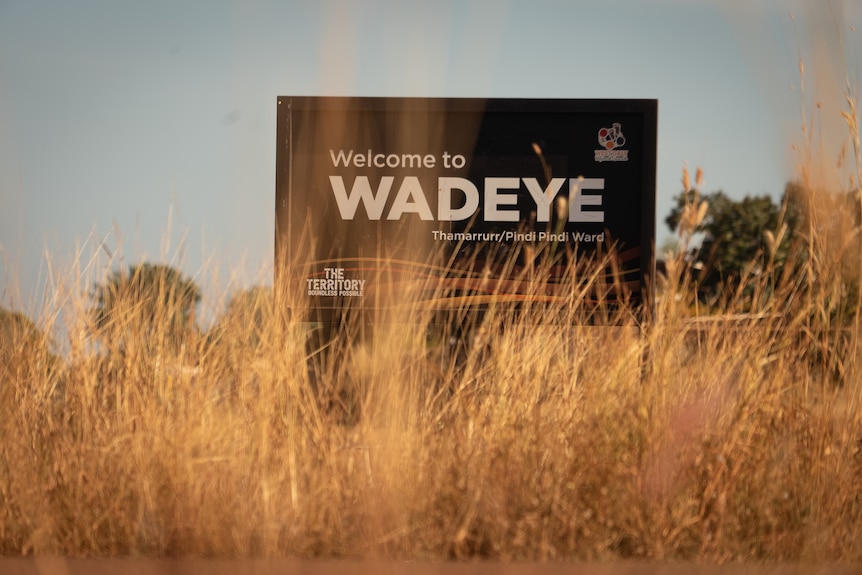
(717, 430)
(729, 436)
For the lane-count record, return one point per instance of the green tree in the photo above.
(152, 304)
(805, 247)
(738, 240)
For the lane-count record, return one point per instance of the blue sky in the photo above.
(150, 126)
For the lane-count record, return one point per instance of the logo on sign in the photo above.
(334, 283)
(610, 139)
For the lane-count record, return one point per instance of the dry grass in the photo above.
(711, 441)
(733, 438)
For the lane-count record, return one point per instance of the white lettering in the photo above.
(493, 199)
(584, 237)
(340, 159)
(361, 190)
(577, 200)
(410, 199)
(544, 198)
(445, 212)
(370, 159)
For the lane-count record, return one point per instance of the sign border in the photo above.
(646, 108)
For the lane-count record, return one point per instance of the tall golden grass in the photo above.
(680, 439)
(527, 435)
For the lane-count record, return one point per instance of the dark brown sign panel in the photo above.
(387, 202)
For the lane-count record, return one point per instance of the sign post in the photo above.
(387, 202)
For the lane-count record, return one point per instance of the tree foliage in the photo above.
(17, 329)
(148, 302)
(810, 238)
(738, 239)
(24, 348)
(19, 336)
